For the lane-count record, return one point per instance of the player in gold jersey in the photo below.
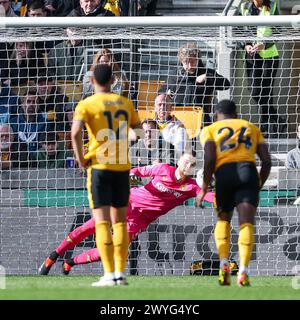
(230, 145)
(107, 118)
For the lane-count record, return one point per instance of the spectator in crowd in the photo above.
(152, 149)
(171, 129)
(91, 8)
(120, 83)
(65, 60)
(293, 156)
(8, 104)
(20, 7)
(52, 103)
(29, 123)
(53, 153)
(124, 7)
(193, 84)
(262, 62)
(117, 7)
(23, 64)
(147, 7)
(69, 113)
(8, 149)
(6, 6)
(37, 9)
(61, 8)
(145, 151)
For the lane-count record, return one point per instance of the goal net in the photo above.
(46, 70)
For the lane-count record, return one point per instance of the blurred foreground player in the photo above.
(169, 188)
(230, 146)
(107, 118)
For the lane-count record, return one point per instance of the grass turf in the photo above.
(148, 287)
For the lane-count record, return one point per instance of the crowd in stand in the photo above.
(75, 8)
(35, 123)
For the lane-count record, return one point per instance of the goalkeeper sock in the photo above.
(88, 256)
(246, 240)
(121, 242)
(222, 238)
(76, 236)
(105, 246)
(65, 245)
(54, 255)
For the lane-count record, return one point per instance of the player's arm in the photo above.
(210, 157)
(146, 171)
(208, 168)
(266, 163)
(264, 155)
(80, 118)
(77, 143)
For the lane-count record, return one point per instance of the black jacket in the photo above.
(187, 93)
(63, 7)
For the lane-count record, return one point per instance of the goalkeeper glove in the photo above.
(135, 180)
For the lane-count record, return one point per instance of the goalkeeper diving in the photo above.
(169, 188)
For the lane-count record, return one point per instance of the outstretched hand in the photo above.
(200, 198)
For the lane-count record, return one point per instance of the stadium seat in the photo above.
(191, 118)
(147, 92)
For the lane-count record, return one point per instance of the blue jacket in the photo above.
(8, 105)
(29, 132)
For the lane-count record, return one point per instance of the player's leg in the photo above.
(118, 217)
(246, 198)
(246, 239)
(120, 241)
(222, 238)
(99, 186)
(74, 238)
(135, 225)
(104, 242)
(86, 257)
(225, 183)
(89, 256)
(105, 245)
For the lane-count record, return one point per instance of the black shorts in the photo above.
(236, 183)
(107, 188)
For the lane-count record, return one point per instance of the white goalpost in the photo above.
(43, 198)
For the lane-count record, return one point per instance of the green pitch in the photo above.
(149, 287)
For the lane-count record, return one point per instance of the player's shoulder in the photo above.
(163, 167)
(254, 127)
(210, 129)
(91, 100)
(120, 101)
(126, 101)
(85, 102)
